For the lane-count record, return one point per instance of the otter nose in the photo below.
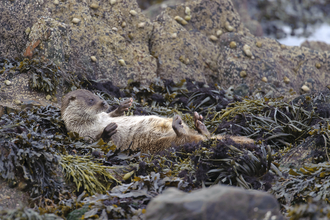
(104, 103)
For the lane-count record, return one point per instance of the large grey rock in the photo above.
(316, 45)
(12, 198)
(110, 32)
(116, 42)
(224, 59)
(217, 202)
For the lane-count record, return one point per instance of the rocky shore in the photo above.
(206, 56)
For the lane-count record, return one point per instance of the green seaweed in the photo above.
(84, 172)
(44, 76)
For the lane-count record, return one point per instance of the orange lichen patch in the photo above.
(29, 50)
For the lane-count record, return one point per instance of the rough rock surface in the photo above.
(296, 14)
(217, 202)
(243, 8)
(11, 198)
(103, 41)
(47, 29)
(191, 53)
(316, 45)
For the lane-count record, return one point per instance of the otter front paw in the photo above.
(124, 105)
(177, 126)
(200, 126)
(108, 131)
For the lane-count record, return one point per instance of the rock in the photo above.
(243, 9)
(11, 198)
(52, 28)
(273, 15)
(316, 45)
(192, 39)
(217, 202)
(152, 11)
(129, 47)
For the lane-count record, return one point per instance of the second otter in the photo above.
(85, 113)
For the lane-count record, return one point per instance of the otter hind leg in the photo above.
(200, 126)
(177, 125)
(108, 131)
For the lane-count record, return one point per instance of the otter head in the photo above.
(82, 103)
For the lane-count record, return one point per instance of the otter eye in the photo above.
(91, 100)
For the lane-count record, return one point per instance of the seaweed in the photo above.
(300, 185)
(26, 150)
(25, 213)
(86, 173)
(36, 148)
(44, 76)
(34, 145)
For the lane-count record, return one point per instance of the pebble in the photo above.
(318, 65)
(180, 20)
(123, 24)
(219, 32)
(264, 79)
(7, 82)
(94, 6)
(232, 45)
(141, 24)
(112, 2)
(17, 102)
(187, 17)
(93, 58)
(27, 31)
(259, 44)
(229, 27)
(305, 89)
(115, 29)
(133, 12)
(247, 51)
(286, 80)
(187, 11)
(56, 2)
(122, 62)
(48, 97)
(213, 38)
(75, 20)
(174, 35)
(243, 74)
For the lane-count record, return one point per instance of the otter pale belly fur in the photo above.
(85, 113)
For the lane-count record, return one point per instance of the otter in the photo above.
(85, 113)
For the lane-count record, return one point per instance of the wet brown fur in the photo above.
(85, 113)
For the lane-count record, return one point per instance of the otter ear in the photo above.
(72, 98)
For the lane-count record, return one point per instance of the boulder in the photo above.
(243, 8)
(114, 41)
(98, 40)
(188, 49)
(214, 46)
(217, 202)
(316, 45)
(12, 198)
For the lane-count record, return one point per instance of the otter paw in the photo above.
(197, 117)
(177, 125)
(108, 131)
(200, 126)
(124, 105)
